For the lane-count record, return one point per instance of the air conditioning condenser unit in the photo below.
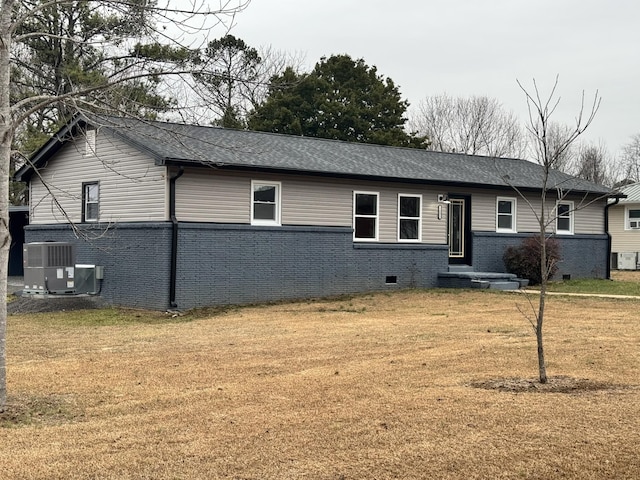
(49, 267)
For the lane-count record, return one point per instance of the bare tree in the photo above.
(477, 125)
(592, 163)
(631, 159)
(160, 27)
(556, 136)
(548, 150)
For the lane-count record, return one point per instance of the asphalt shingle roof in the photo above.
(173, 143)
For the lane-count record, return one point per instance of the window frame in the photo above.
(513, 215)
(277, 221)
(570, 215)
(417, 219)
(627, 218)
(85, 202)
(376, 217)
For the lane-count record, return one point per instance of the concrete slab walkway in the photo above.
(597, 295)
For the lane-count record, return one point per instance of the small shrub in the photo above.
(524, 259)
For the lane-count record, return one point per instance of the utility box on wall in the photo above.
(49, 267)
(627, 261)
(88, 278)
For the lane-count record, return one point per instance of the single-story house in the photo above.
(184, 216)
(624, 227)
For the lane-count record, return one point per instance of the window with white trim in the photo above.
(409, 218)
(506, 215)
(90, 201)
(632, 219)
(564, 217)
(365, 216)
(265, 203)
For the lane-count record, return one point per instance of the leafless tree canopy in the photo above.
(476, 125)
(593, 163)
(630, 162)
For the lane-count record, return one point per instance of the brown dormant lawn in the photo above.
(377, 386)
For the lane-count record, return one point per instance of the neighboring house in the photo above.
(624, 227)
(187, 216)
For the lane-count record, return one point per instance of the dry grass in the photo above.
(377, 386)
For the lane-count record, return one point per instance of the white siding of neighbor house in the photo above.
(132, 188)
(622, 240)
(225, 197)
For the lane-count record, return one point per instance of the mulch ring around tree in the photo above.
(555, 384)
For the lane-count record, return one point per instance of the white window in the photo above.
(409, 218)
(564, 217)
(90, 202)
(365, 216)
(506, 215)
(265, 203)
(632, 219)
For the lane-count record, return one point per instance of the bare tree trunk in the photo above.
(544, 270)
(6, 136)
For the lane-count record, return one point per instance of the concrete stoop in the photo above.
(463, 276)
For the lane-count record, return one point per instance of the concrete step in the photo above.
(504, 285)
(463, 276)
(460, 268)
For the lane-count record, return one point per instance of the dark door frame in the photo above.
(465, 258)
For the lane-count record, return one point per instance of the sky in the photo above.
(473, 47)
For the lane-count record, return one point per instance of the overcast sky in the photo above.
(473, 47)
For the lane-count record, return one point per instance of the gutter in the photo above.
(606, 230)
(174, 237)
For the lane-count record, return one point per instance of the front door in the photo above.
(459, 229)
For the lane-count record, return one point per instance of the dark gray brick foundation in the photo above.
(135, 258)
(583, 256)
(233, 264)
(237, 264)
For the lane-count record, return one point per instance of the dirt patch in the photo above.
(21, 410)
(31, 304)
(558, 384)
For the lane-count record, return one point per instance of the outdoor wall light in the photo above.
(443, 198)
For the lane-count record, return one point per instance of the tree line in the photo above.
(234, 85)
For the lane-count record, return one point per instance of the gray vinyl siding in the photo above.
(622, 240)
(588, 217)
(132, 188)
(225, 197)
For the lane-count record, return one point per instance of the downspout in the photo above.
(606, 230)
(174, 237)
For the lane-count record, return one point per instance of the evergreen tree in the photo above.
(341, 99)
(229, 72)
